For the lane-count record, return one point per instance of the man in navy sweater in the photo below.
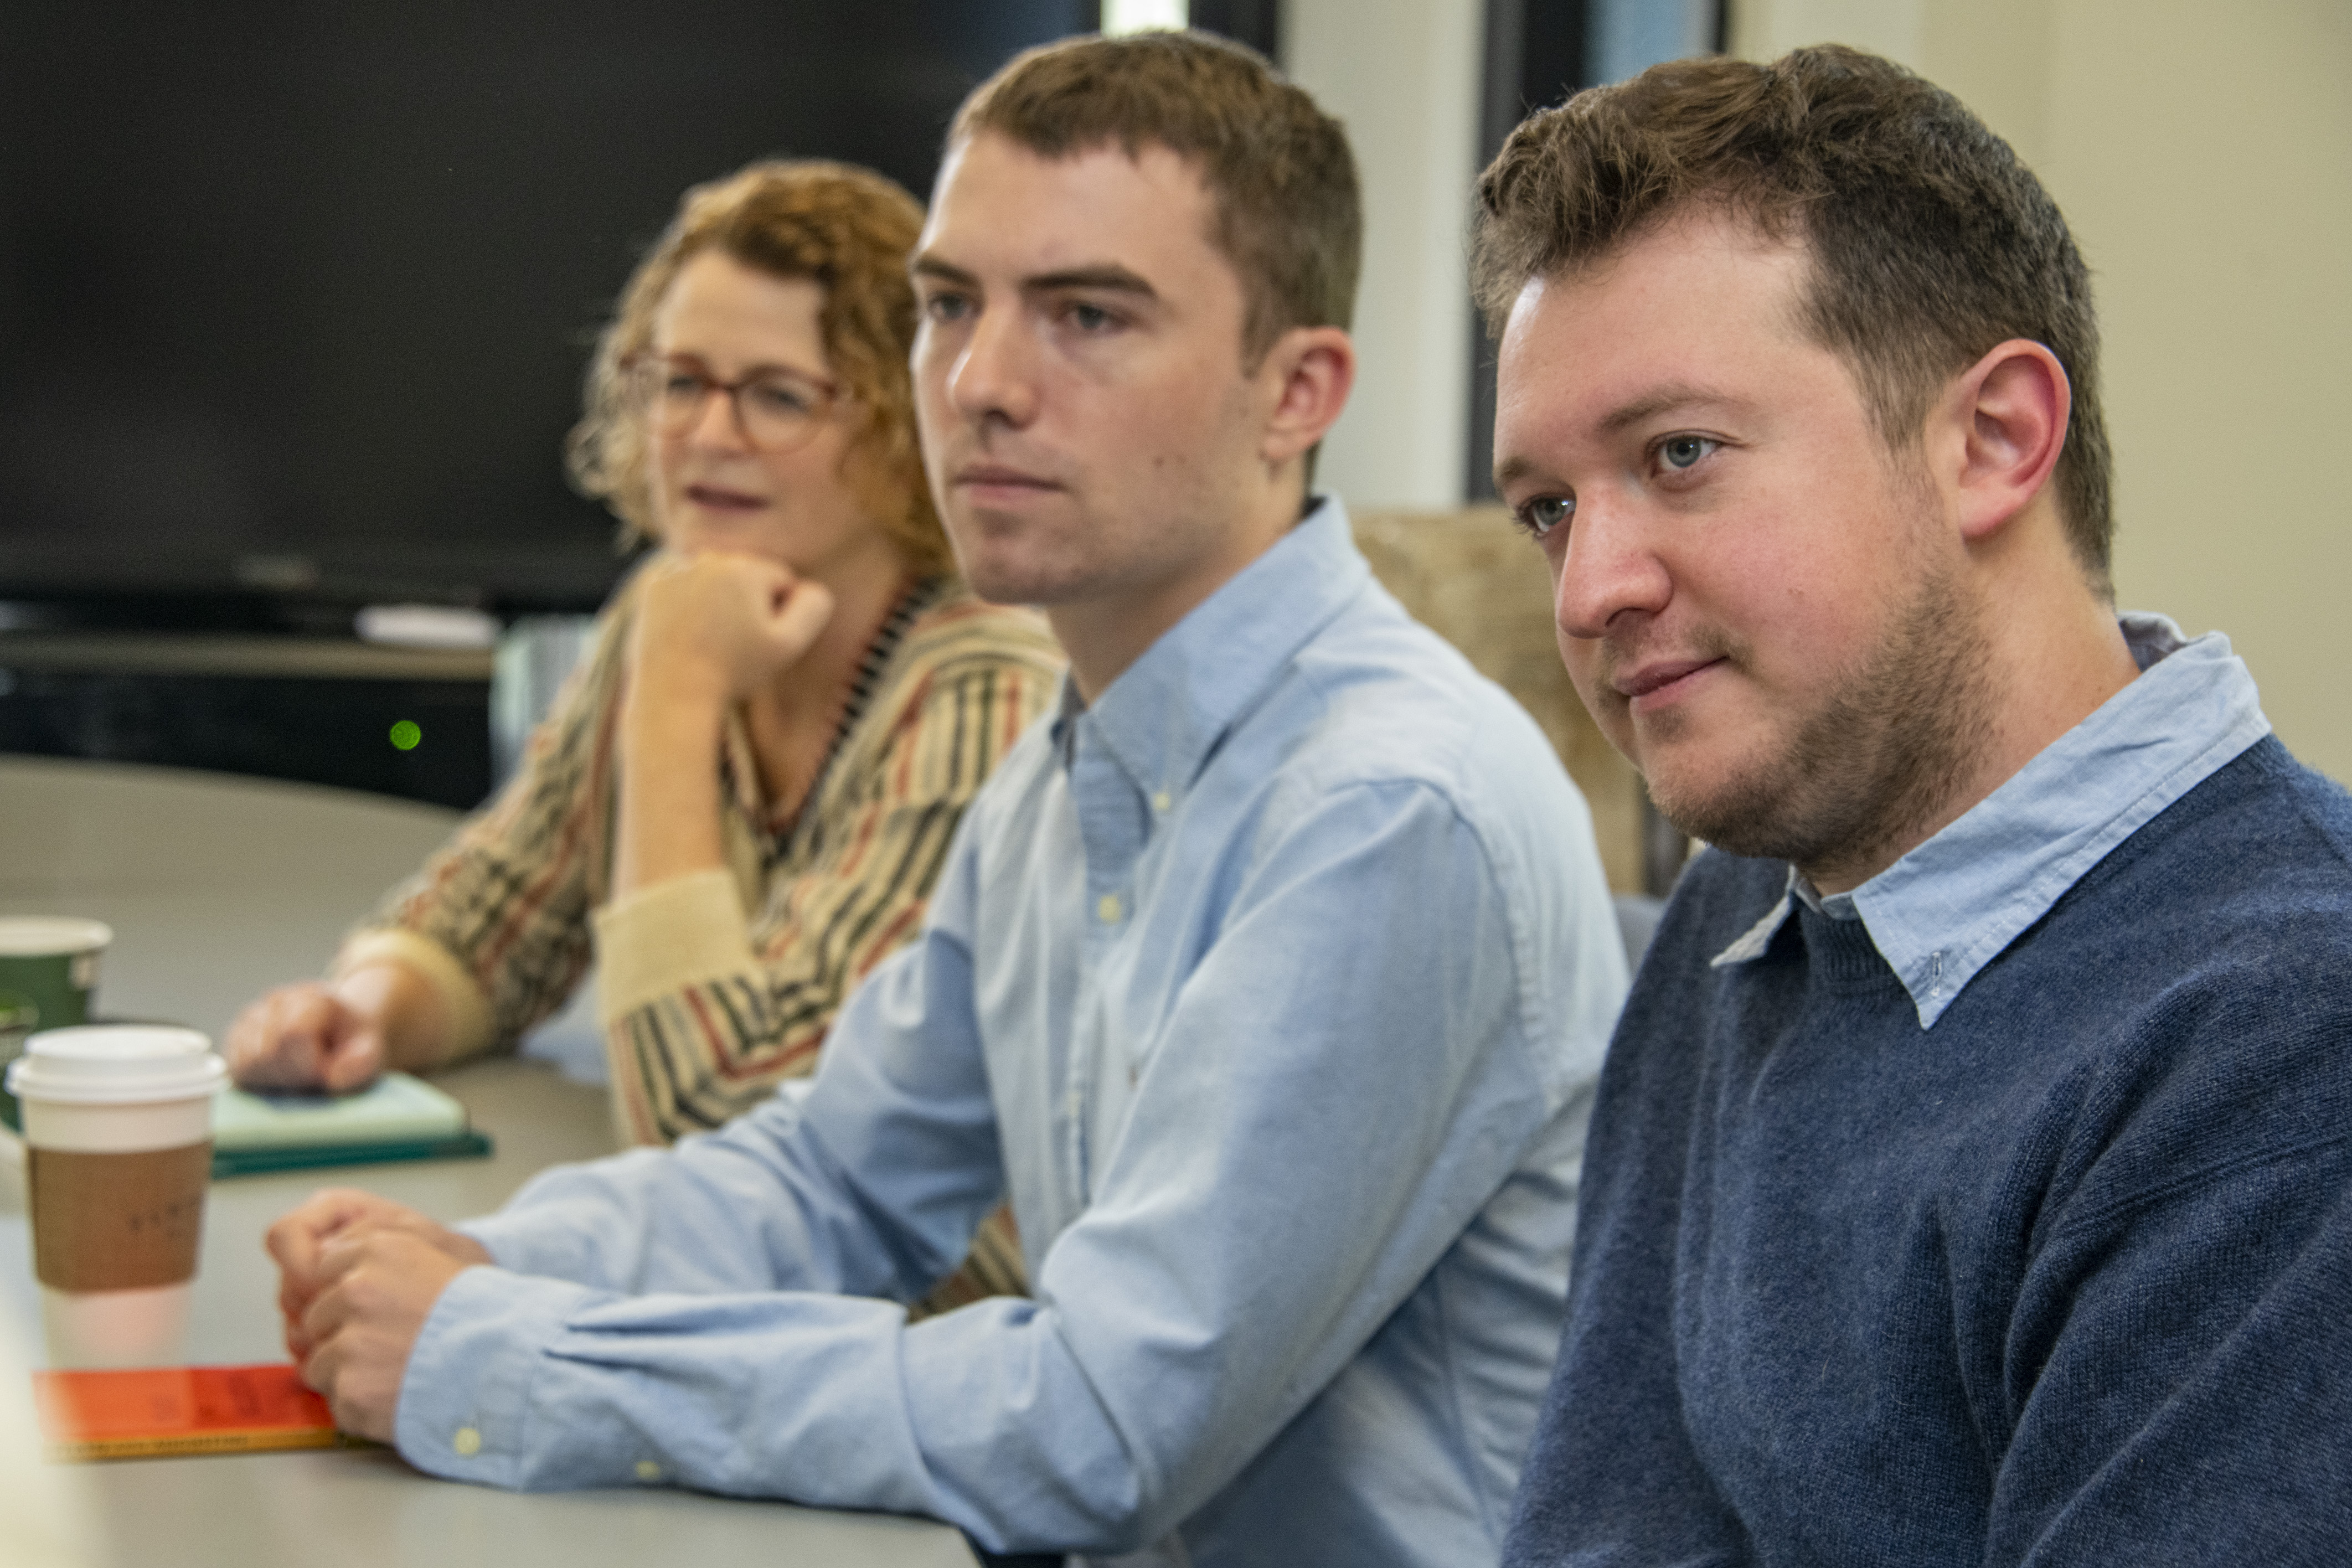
(1971, 1176)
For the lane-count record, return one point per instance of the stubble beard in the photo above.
(1881, 757)
(1006, 563)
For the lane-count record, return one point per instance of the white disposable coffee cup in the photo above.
(118, 1123)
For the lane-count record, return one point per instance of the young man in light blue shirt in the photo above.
(1268, 980)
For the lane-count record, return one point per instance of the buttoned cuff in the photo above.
(472, 1029)
(660, 940)
(465, 1400)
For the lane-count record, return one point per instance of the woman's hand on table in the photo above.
(712, 629)
(305, 1036)
(339, 1035)
(358, 1277)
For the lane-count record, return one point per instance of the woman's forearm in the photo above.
(710, 629)
(669, 822)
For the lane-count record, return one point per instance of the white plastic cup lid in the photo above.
(116, 1064)
(41, 936)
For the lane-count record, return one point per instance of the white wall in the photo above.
(2203, 154)
(1403, 77)
(1761, 30)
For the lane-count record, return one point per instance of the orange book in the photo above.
(153, 1412)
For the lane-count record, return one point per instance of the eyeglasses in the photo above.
(776, 410)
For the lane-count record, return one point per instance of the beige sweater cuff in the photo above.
(659, 940)
(471, 1028)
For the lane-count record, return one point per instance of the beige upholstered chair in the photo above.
(1474, 579)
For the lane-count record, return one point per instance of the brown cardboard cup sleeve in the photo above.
(126, 1221)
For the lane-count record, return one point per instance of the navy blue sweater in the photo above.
(2066, 1279)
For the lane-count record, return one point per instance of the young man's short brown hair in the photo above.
(1929, 241)
(1278, 169)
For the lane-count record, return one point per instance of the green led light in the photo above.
(405, 734)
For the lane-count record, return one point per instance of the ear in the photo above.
(1307, 373)
(2006, 421)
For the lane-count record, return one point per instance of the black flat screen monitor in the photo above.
(295, 297)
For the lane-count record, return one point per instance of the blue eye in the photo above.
(1540, 516)
(947, 307)
(1681, 453)
(1090, 318)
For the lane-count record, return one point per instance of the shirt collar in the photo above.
(1951, 906)
(1164, 714)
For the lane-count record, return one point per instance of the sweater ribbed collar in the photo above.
(1942, 912)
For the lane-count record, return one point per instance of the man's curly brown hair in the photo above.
(1929, 240)
(844, 228)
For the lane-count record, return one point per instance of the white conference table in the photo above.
(217, 888)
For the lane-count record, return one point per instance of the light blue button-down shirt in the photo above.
(1272, 987)
(1950, 907)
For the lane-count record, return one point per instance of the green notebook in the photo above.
(396, 1118)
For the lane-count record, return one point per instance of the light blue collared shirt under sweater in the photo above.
(1271, 987)
(1950, 907)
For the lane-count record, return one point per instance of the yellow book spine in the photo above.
(168, 1445)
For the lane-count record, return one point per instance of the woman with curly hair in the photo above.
(742, 799)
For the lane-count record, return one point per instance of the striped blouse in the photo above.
(715, 987)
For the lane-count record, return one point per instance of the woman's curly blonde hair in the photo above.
(844, 228)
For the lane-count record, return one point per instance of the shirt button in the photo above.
(647, 1470)
(1162, 801)
(467, 1442)
(1107, 908)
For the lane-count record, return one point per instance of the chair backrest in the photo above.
(1474, 579)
